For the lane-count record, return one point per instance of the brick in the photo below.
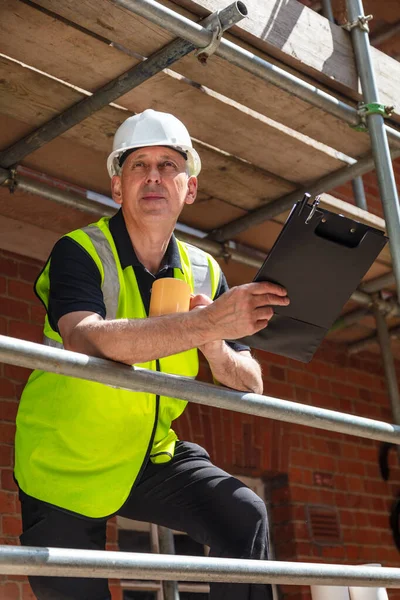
(14, 308)
(333, 552)
(37, 314)
(8, 410)
(302, 395)
(3, 285)
(301, 378)
(7, 480)
(346, 405)
(8, 267)
(267, 358)
(29, 272)
(320, 368)
(369, 454)
(346, 518)
(343, 390)
(326, 463)
(25, 331)
(9, 591)
(20, 289)
(277, 373)
(27, 593)
(17, 374)
(6, 455)
(7, 433)
(8, 503)
(278, 389)
(7, 388)
(3, 326)
(11, 526)
(324, 385)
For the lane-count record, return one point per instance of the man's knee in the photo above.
(254, 526)
(244, 527)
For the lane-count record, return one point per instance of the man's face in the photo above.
(153, 185)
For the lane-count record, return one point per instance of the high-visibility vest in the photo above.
(81, 445)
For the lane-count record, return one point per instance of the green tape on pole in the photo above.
(373, 108)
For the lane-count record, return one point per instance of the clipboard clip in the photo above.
(313, 209)
(304, 201)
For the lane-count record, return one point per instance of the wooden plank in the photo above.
(140, 36)
(63, 158)
(300, 37)
(240, 131)
(208, 213)
(237, 129)
(68, 161)
(31, 98)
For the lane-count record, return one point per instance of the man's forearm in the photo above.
(237, 370)
(135, 341)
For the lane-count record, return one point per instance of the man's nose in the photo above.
(153, 174)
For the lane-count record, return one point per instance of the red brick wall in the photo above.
(289, 457)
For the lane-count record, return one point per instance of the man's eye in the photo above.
(137, 165)
(169, 164)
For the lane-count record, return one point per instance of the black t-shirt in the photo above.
(75, 282)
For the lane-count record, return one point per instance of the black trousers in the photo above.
(189, 494)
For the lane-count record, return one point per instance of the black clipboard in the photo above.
(320, 257)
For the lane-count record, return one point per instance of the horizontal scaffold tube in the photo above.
(28, 354)
(65, 562)
(197, 34)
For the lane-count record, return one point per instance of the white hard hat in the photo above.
(152, 128)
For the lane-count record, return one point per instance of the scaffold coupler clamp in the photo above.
(226, 252)
(213, 24)
(11, 181)
(373, 108)
(384, 302)
(361, 22)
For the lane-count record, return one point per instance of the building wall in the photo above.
(301, 466)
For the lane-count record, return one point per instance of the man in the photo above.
(86, 451)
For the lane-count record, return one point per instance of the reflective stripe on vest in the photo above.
(110, 287)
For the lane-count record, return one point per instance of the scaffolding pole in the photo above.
(376, 127)
(37, 356)
(179, 25)
(388, 363)
(60, 562)
(386, 181)
(359, 193)
(355, 347)
(162, 59)
(377, 284)
(327, 10)
(167, 546)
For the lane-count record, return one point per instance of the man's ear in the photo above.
(192, 190)
(116, 189)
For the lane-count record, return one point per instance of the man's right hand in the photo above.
(245, 309)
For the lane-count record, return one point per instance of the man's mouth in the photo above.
(153, 196)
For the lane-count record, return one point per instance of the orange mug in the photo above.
(169, 295)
